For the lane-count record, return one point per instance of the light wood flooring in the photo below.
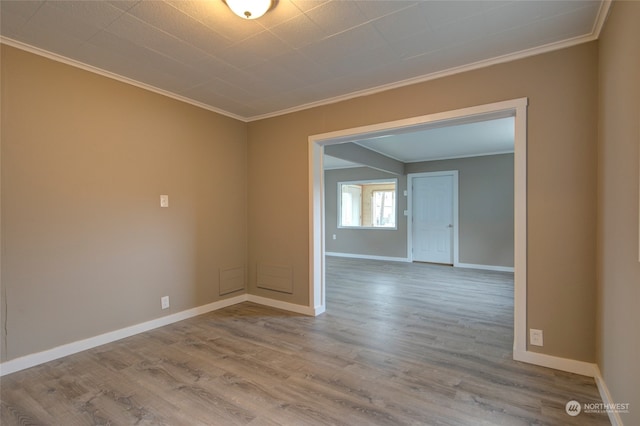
(399, 344)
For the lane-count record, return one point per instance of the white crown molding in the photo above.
(458, 157)
(440, 74)
(597, 28)
(603, 13)
(354, 166)
(428, 159)
(77, 64)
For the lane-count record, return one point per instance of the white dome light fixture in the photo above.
(249, 9)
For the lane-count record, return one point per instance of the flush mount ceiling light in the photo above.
(249, 9)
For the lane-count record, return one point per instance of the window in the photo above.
(367, 204)
(351, 205)
(384, 212)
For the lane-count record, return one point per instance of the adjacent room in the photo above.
(214, 214)
(465, 167)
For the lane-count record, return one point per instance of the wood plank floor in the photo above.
(411, 344)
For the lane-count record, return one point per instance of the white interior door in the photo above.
(433, 221)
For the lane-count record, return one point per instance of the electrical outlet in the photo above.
(164, 302)
(334, 236)
(535, 337)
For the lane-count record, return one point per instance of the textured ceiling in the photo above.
(454, 141)
(301, 53)
(457, 139)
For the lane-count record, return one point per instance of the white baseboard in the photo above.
(92, 342)
(577, 367)
(485, 267)
(564, 364)
(14, 365)
(38, 358)
(614, 416)
(406, 259)
(278, 304)
(367, 256)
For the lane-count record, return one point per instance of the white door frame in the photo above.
(515, 108)
(456, 235)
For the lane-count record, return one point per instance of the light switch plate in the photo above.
(164, 201)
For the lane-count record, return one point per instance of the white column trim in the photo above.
(516, 108)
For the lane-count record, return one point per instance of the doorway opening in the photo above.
(513, 108)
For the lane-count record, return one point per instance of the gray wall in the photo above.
(485, 206)
(618, 269)
(86, 248)
(562, 126)
(485, 211)
(377, 242)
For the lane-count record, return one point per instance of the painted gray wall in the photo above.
(376, 242)
(485, 206)
(485, 209)
(352, 152)
(86, 248)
